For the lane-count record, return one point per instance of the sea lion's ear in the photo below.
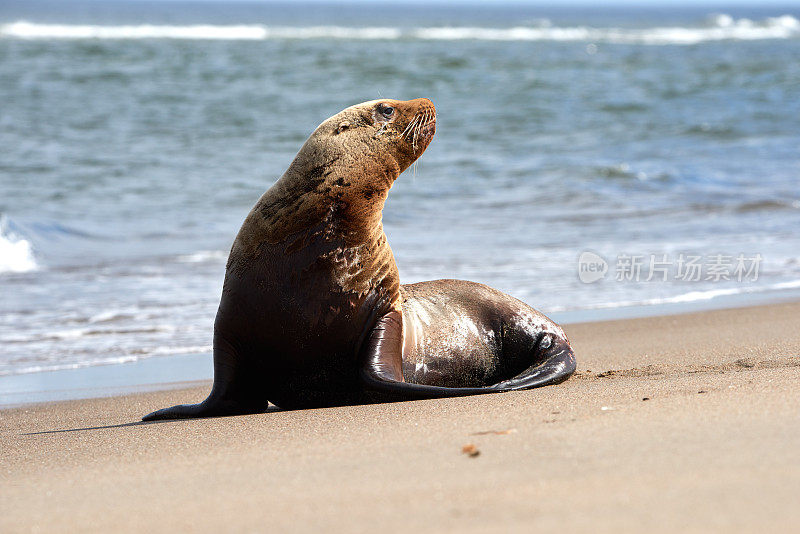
(344, 125)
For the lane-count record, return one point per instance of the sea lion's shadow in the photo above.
(270, 409)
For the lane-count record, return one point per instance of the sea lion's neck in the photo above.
(341, 220)
(349, 195)
(320, 204)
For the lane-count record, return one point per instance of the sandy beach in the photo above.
(688, 422)
(629, 167)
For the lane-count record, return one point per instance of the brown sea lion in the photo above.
(312, 310)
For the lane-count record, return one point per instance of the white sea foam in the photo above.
(204, 256)
(64, 366)
(77, 333)
(720, 27)
(724, 28)
(115, 360)
(252, 32)
(16, 254)
(190, 349)
(112, 315)
(691, 296)
(793, 284)
(30, 30)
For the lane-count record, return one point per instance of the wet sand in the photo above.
(688, 422)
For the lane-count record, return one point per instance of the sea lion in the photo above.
(312, 311)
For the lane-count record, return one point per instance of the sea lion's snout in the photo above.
(429, 128)
(421, 124)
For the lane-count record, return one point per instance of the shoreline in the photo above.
(184, 370)
(682, 422)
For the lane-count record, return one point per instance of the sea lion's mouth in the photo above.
(429, 129)
(421, 128)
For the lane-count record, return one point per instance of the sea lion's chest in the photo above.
(309, 292)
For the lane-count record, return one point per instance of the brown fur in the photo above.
(343, 171)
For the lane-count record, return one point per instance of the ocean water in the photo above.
(135, 137)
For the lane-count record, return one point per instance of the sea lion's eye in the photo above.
(386, 111)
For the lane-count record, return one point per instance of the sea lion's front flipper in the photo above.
(382, 364)
(210, 407)
(235, 391)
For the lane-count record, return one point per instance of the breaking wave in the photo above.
(718, 28)
(16, 253)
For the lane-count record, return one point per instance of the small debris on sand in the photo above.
(497, 432)
(470, 450)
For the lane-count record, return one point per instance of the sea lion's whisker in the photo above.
(414, 129)
(413, 123)
(410, 125)
(409, 133)
(420, 122)
(431, 117)
(418, 129)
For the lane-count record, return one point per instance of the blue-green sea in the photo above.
(135, 137)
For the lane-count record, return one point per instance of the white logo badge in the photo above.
(591, 267)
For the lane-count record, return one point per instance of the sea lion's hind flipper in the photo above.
(382, 365)
(557, 364)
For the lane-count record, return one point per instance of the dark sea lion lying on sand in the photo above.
(312, 310)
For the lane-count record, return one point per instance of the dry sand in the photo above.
(675, 423)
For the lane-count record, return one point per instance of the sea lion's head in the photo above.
(393, 133)
(346, 167)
